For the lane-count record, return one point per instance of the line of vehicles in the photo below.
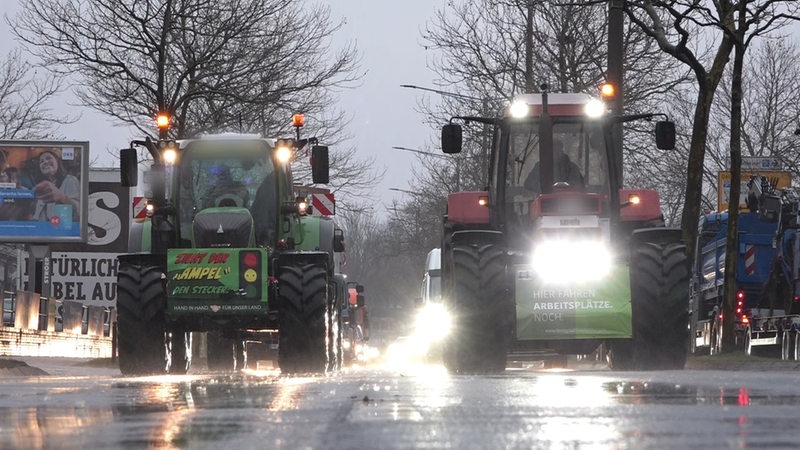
(555, 258)
(767, 314)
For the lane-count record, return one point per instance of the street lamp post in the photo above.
(405, 191)
(444, 93)
(436, 155)
(485, 133)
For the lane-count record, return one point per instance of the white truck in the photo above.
(432, 280)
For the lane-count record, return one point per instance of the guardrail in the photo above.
(38, 326)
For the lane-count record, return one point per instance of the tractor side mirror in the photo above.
(128, 167)
(451, 138)
(665, 135)
(338, 240)
(320, 167)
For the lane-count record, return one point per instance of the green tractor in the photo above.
(556, 258)
(227, 248)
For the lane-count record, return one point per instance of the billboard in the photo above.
(87, 272)
(780, 178)
(89, 278)
(43, 191)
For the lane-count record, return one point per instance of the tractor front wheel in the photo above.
(141, 301)
(479, 300)
(303, 320)
(222, 353)
(659, 300)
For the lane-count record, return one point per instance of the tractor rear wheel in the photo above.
(303, 319)
(659, 300)
(141, 301)
(180, 352)
(334, 341)
(220, 352)
(479, 300)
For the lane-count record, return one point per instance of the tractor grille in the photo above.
(571, 205)
(219, 228)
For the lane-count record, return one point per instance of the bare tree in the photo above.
(215, 65)
(24, 94)
(480, 61)
(681, 28)
(696, 33)
(770, 110)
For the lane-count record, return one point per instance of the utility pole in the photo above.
(436, 155)
(614, 72)
(530, 86)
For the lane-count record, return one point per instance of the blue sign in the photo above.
(43, 191)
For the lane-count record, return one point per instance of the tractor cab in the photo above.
(554, 170)
(550, 166)
(233, 184)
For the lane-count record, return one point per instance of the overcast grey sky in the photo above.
(387, 35)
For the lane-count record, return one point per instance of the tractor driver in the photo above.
(225, 191)
(564, 171)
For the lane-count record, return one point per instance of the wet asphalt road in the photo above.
(414, 406)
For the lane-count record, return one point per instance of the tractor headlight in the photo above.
(169, 156)
(518, 109)
(284, 150)
(594, 108)
(572, 261)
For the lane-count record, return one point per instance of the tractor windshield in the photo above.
(218, 174)
(579, 160)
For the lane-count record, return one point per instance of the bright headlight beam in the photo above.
(568, 261)
(170, 155)
(283, 154)
(594, 108)
(518, 110)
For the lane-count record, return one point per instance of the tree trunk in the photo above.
(732, 246)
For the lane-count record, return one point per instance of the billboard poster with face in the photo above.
(43, 191)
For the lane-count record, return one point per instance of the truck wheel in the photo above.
(787, 342)
(796, 346)
(219, 352)
(180, 352)
(303, 319)
(141, 300)
(479, 299)
(660, 307)
(748, 344)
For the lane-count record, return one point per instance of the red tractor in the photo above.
(557, 258)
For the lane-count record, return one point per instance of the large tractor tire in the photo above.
(659, 296)
(303, 298)
(141, 301)
(479, 300)
(219, 352)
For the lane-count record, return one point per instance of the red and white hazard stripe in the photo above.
(749, 259)
(138, 208)
(323, 204)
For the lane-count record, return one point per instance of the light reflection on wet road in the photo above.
(423, 407)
